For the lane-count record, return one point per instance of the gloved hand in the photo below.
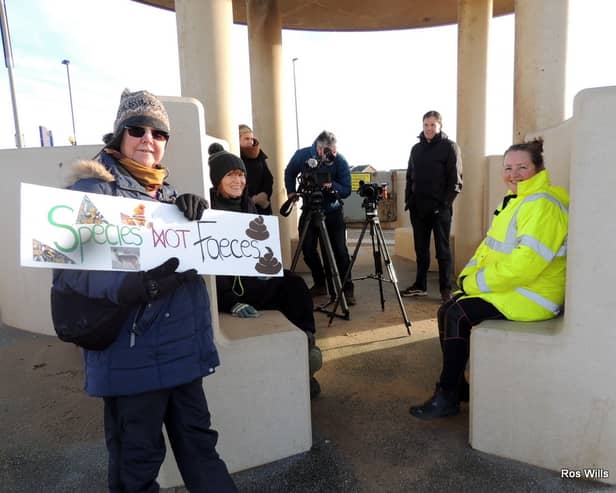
(142, 287)
(261, 200)
(191, 205)
(243, 310)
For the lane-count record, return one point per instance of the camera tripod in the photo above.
(379, 253)
(315, 216)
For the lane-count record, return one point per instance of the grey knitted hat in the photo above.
(137, 108)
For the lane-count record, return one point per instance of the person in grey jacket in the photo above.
(152, 373)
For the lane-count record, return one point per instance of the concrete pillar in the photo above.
(204, 44)
(265, 51)
(540, 57)
(473, 26)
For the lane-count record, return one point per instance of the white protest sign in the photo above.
(65, 229)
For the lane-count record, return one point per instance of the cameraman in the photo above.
(337, 187)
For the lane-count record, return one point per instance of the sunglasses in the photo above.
(139, 132)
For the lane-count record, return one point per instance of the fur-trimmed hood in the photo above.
(107, 176)
(88, 168)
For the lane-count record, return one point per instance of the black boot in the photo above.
(442, 403)
(315, 362)
(464, 391)
(315, 388)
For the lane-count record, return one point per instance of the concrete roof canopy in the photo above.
(357, 15)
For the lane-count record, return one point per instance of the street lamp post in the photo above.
(70, 95)
(8, 61)
(295, 94)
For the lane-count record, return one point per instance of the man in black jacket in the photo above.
(433, 180)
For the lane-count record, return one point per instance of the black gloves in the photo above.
(141, 287)
(191, 205)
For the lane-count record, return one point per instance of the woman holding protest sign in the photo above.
(244, 296)
(151, 374)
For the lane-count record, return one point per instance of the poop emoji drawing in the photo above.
(268, 264)
(257, 230)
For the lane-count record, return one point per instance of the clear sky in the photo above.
(371, 89)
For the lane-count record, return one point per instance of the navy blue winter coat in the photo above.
(340, 175)
(174, 343)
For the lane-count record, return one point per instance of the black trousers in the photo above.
(336, 230)
(133, 432)
(424, 224)
(456, 318)
(288, 294)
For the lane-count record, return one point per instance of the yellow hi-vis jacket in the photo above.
(520, 266)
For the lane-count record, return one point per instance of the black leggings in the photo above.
(455, 321)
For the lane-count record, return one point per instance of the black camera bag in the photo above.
(91, 323)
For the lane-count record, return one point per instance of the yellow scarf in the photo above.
(151, 178)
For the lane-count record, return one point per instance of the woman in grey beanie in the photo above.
(151, 374)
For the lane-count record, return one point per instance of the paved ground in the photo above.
(364, 438)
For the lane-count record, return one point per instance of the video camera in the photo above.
(316, 173)
(310, 187)
(372, 191)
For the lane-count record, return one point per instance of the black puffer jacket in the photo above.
(434, 174)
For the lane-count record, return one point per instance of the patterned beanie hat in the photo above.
(244, 129)
(137, 108)
(221, 162)
(141, 108)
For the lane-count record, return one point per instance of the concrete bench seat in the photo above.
(259, 396)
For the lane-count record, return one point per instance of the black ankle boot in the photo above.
(315, 388)
(464, 391)
(442, 403)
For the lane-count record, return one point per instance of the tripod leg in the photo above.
(328, 271)
(378, 265)
(302, 237)
(347, 274)
(334, 268)
(392, 275)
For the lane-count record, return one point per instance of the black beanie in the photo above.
(221, 162)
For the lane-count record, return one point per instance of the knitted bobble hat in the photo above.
(221, 162)
(139, 108)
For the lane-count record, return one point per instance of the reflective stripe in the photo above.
(562, 252)
(513, 225)
(499, 246)
(536, 246)
(471, 263)
(540, 300)
(543, 195)
(511, 240)
(480, 277)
